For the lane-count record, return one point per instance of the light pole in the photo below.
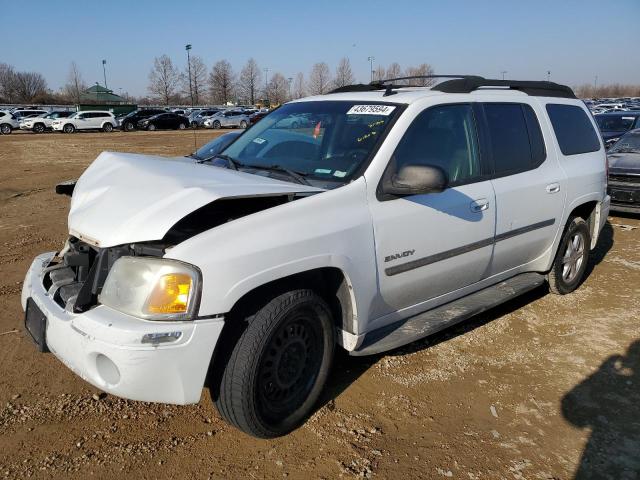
(187, 48)
(104, 72)
(266, 87)
(595, 85)
(548, 75)
(371, 59)
(290, 79)
(503, 72)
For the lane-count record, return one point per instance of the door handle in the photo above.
(479, 205)
(553, 188)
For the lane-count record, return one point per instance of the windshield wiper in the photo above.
(297, 176)
(625, 150)
(232, 163)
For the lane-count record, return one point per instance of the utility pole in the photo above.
(503, 72)
(548, 75)
(371, 59)
(187, 48)
(266, 84)
(290, 79)
(595, 84)
(104, 72)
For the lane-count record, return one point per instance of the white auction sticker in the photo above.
(371, 110)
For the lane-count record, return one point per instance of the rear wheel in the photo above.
(107, 127)
(69, 128)
(39, 128)
(279, 365)
(571, 259)
(5, 129)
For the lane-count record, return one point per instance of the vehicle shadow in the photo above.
(605, 243)
(608, 403)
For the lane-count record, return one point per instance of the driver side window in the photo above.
(443, 136)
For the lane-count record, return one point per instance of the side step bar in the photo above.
(427, 323)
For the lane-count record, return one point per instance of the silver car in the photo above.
(197, 119)
(228, 118)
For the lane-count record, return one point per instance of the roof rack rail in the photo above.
(465, 84)
(534, 88)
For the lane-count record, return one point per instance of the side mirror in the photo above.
(416, 180)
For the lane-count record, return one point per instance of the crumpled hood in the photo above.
(624, 162)
(123, 198)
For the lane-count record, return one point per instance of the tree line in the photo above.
(221, 84)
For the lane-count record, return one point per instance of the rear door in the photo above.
(529, 185)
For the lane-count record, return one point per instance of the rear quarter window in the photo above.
(573, 129)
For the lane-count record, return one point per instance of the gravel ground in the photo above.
(544, 387)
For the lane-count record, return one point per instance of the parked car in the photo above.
(180, 111)
(23, 114)
(401, 212)
(130, 121)
(86, 120)
(228, 118)
(256, 117)
(296, 121)
(614, 124)
(164, 121)
(624, 173)
(197, 118)
(209, 150)
(8, 122)
(42, 123)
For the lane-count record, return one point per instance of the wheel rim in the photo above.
(152, 127)
(573, 258)
(68, 128)
(216, 125)
(243, 125)
(108, 127)
(38, 128)
(181, 126)
(128, 126)
(5, 129)
(289, 366)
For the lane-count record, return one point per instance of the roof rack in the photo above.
(465, 84)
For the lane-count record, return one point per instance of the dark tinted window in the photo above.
(538, 151)
(509, 137)
(445, 137)
(573, 129)
(615, 123)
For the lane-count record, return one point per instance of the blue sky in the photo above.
(574, 39)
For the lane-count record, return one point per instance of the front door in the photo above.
(432, 244)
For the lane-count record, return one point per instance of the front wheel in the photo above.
(279, 365)
(128, 127)
(39, 128)
(5, 129)
(182, 126)
(151, 127)
(216, 124)
(68, 128)
(571, 259)
(243, 124)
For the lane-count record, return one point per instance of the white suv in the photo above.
(86, 120)
(8, 122)
(397, 212)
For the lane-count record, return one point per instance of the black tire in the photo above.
(279, 365)
(194, 125)
(567, 271)
(128, 126)
(216, 124)
(107, 127)
(5, 129)
(69, 128)
(39, 128)
(151, 127)
(243, 124)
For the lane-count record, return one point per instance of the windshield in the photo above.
(628, 143)
(615, 123)
(326, 141)
(215, 146)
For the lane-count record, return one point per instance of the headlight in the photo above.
(152, 288)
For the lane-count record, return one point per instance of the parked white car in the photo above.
(44, 122)
(86, 120)
(402, 211)
(8, 122)
(227, 118)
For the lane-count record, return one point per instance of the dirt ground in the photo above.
(545, 387)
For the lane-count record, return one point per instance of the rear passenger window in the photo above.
(573, 129)
(516, 140)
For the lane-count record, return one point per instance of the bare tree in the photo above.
(164, 79)
(222, 82)
(422, 69)
(29, 85)
(249, 82)
(298, 86)
(8, 83)
(277, 89)
(344, 75)
(379, 73)
(75, 85)
(394, 70)
(198, 80)
(319, 79)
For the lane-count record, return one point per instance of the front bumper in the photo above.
(625, 196)
(56, 126)
(104, 347)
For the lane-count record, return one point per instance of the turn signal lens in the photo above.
(170, 294)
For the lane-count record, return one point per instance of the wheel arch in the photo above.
(590, 213)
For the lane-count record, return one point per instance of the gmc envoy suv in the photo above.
(393, 213)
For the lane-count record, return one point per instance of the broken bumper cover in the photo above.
(106, 348)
